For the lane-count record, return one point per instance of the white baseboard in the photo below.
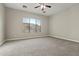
(56, 36)
(2, 42)
(27, 37)
(61, 37)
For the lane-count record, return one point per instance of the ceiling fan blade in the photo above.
(48, 6)
(37, 6)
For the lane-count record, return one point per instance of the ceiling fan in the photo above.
(43, 6)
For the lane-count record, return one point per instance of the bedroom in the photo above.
(39, 29)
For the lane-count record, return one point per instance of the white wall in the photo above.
(14, 26)
(65, 24)
(2, 17)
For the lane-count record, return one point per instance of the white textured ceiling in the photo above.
(56, 7)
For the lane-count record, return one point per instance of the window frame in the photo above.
(36, 24)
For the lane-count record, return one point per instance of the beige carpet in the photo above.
(45, 46)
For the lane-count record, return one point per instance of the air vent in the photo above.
(24, 6)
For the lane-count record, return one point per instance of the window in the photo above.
(26, 23)
(38, 27)
(32, 25)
